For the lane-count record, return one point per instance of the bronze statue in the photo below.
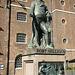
(41, 19)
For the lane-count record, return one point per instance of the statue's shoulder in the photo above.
(33, 2)
(43, 3)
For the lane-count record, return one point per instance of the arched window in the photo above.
(18, 61)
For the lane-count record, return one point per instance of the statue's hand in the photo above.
(47, 13)
(49, 29)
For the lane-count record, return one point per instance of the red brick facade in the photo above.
(59, 30)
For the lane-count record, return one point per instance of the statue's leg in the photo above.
(45, 32)
(34, 40)
(35, 36)
(37, 31)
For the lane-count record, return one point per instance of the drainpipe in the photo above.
(7, 73)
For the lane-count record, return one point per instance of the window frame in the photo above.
(17, 66)
(21, 20)
(61, 3)
(65, 21)
(21, 42)
(66, 41)
(23, 0)
(1, 68)
(74, 6)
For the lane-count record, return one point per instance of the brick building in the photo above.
(16, 31)
(4, 20)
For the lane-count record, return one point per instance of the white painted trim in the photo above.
(20, 43)
(51, 12)
(70, 50)
(63, 11)
(18, 68)
(23, 1)
(20, 6)
(11, 61)
(21, 21)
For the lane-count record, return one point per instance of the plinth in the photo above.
(44, 62)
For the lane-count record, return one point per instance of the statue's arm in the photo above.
(48, 14)
(46, 8)
(32, 9)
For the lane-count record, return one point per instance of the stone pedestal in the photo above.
(51, 60)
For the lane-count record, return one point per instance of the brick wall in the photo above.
(4, 19)
(60, 31)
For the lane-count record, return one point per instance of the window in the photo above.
(64, 41)
(63, 21)
(21, 37)
(18, 61)
(74, 6)
(67, 63)
(23, 0)
(21, 16)
(1, 67)
(62, 2)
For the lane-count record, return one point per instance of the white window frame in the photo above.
(18, 68)
(23, 0)
(1, 67)
(21, 42)
(61, 3)
(20, 20)
(74, 6)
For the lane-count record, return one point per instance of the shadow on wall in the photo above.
(1, 29)
(1, 53)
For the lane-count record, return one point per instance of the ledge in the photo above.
(43, 51)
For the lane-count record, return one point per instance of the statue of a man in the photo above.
(41, 19)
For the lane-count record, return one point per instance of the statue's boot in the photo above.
(36, 43)
(52, 45)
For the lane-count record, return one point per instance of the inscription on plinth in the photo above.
(51, 51)
(45, 51)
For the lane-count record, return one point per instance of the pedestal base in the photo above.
(44, 62)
